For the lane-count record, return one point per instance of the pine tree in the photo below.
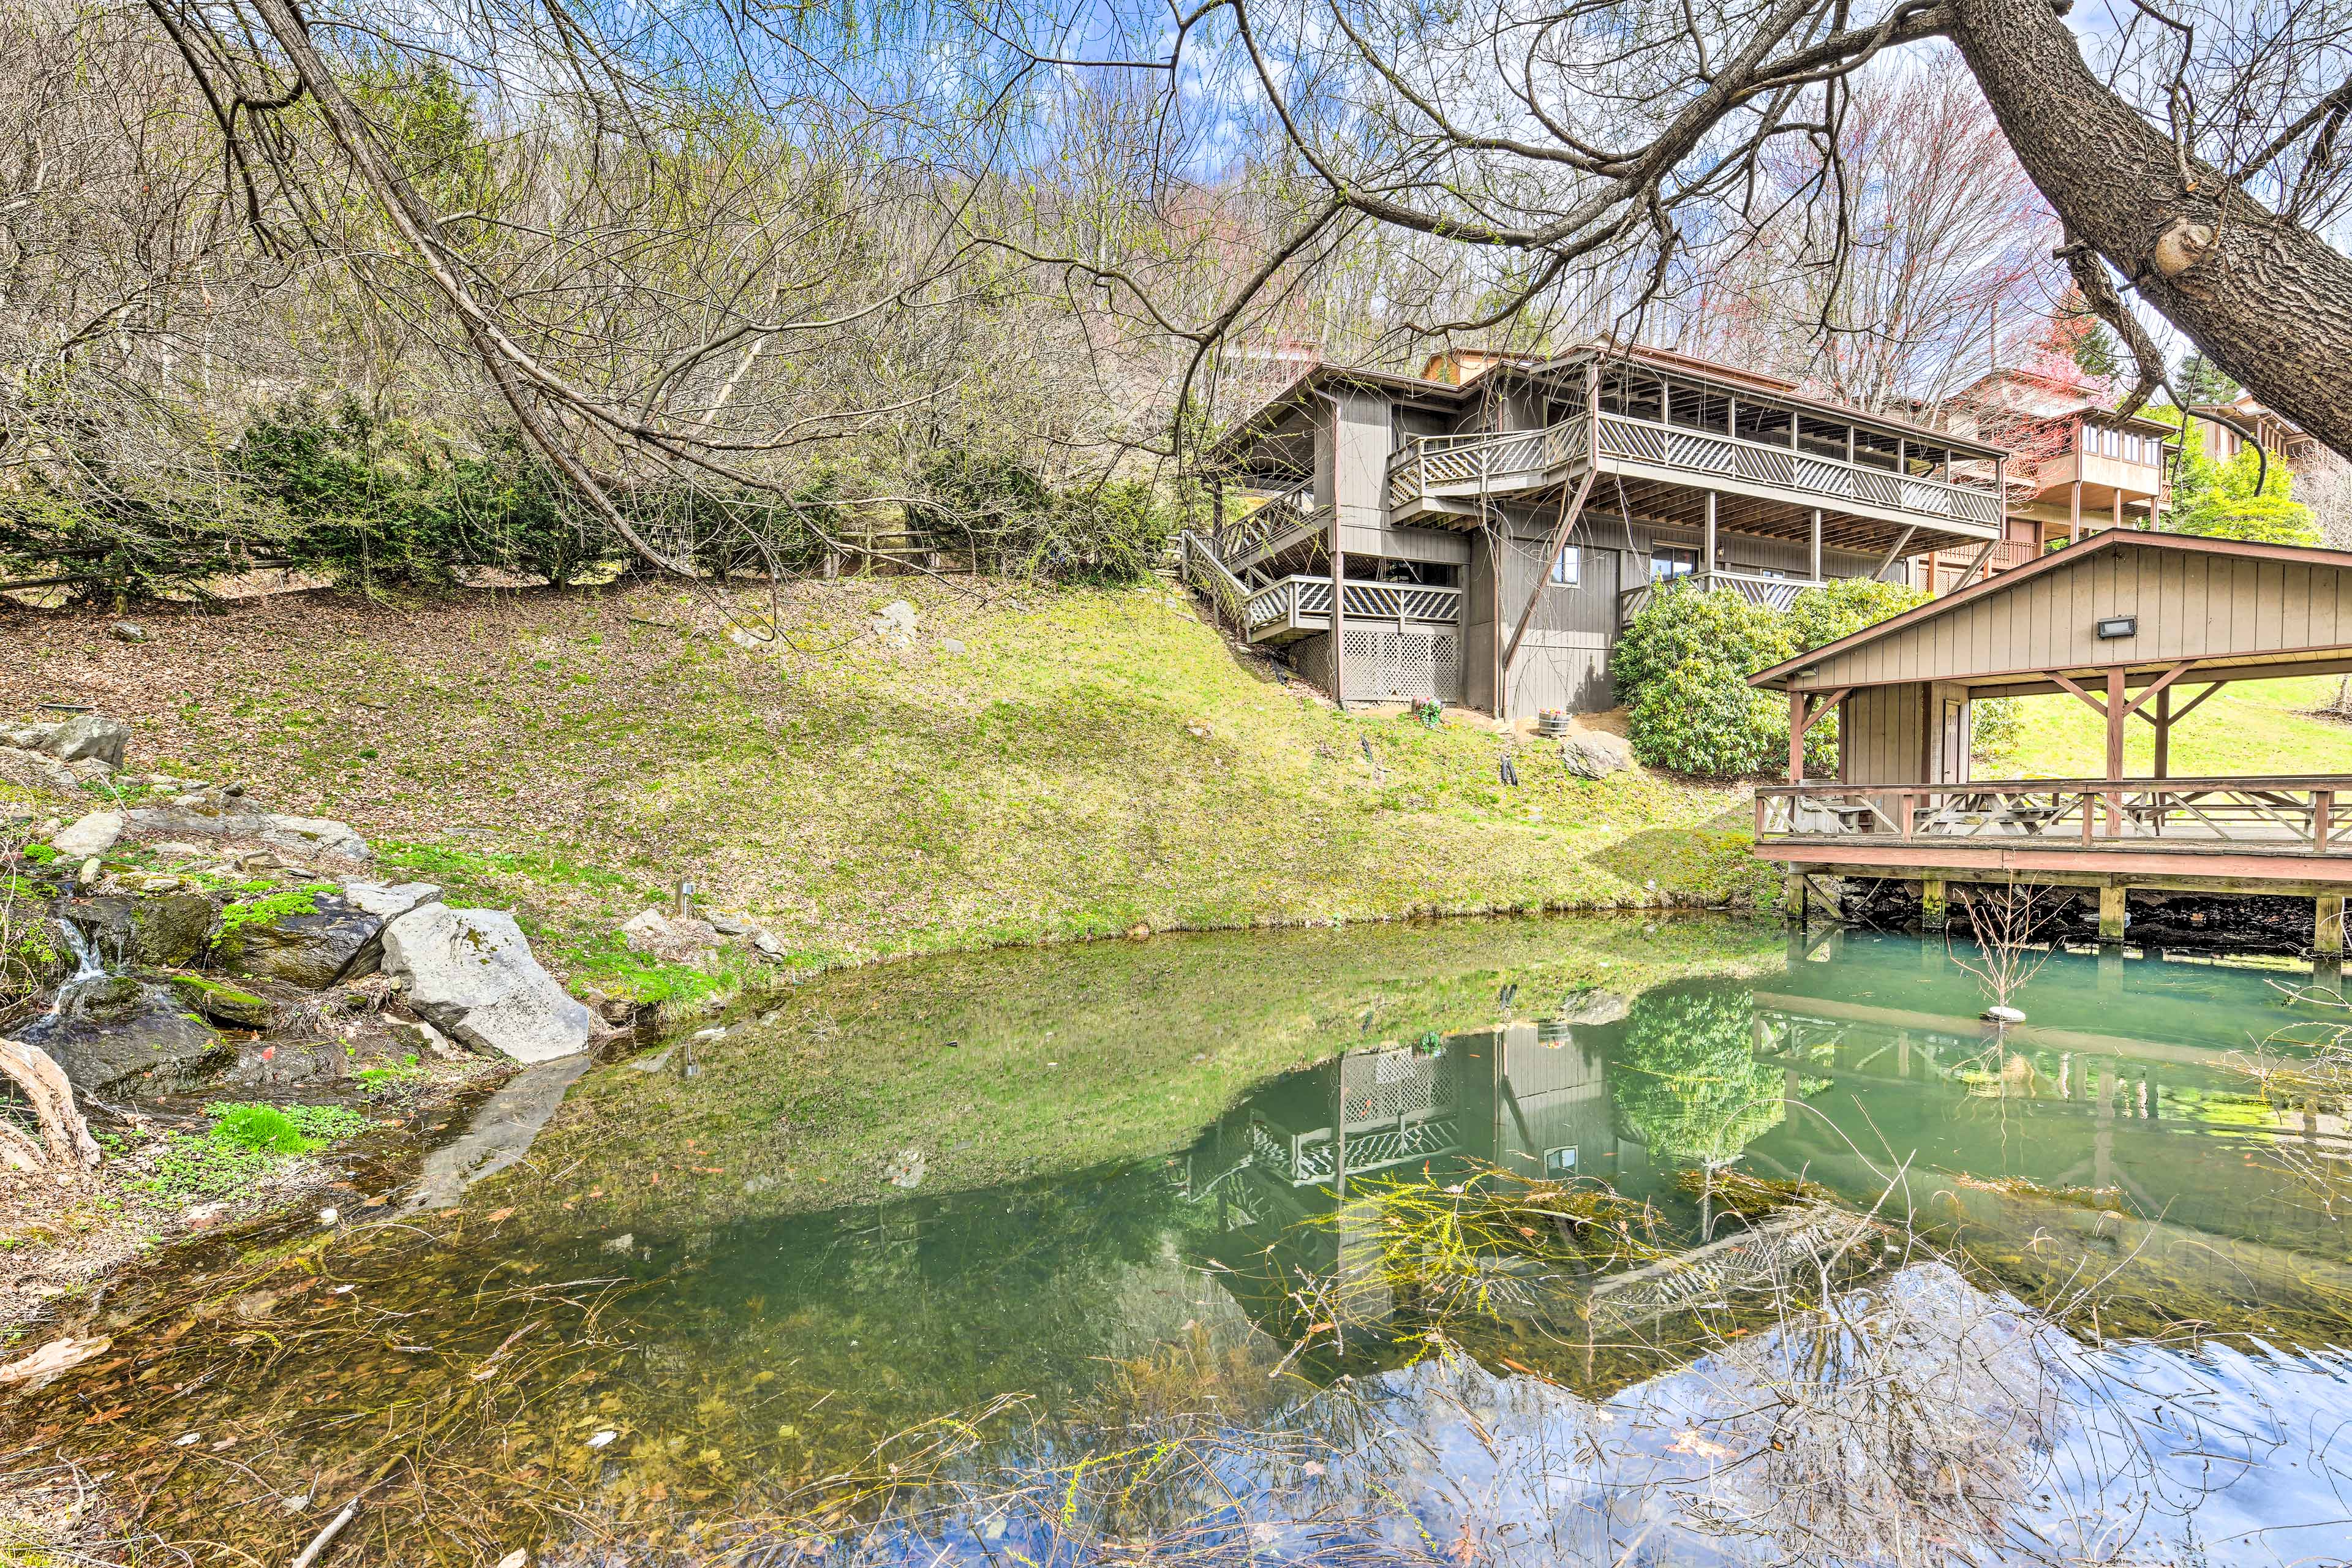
(2200, 380)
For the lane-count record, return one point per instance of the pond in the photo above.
(1526, 1242)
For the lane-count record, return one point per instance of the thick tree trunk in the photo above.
(2265, 299)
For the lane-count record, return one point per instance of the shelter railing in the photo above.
(2309, 815)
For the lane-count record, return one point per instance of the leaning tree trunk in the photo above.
(66, 1143)
(2265, 299)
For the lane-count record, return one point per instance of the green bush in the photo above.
(1002, 515)
(1680, 623)
(1686, 1080)
(1822, 616)
(1705, 720)
(1684, 662)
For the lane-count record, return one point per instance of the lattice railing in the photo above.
(1300, 597)
(2298, 816)
(1511, 460)
(1312, 1157)
(1774, 593)
(1703, 452)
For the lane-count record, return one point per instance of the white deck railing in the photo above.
(1295, 601)
(1525, 459)
(1772, 592)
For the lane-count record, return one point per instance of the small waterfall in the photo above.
(87, 968)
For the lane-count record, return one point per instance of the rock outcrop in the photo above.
(672, 939)
(312, 948)
(86, 737)
(166, 931)
(120, 1033)
(310, 838)
(470, 973)
(92, 835)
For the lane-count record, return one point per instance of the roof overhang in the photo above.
(1795, 673)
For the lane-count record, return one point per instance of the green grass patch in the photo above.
(2256, 727)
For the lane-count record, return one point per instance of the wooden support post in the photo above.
(2118, 508)
(1339, 622)
(2327, 923)
(2115, 716)
(1792, 898)
(2111, 912)
(1934, 913)
(1708, 565)
(2111, 968)
(1796, 736)
(1816, 540)
(2163, 768)
(2075, 510)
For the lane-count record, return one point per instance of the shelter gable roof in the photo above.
(1832, 663)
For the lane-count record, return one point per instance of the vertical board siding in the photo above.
(2192, 607)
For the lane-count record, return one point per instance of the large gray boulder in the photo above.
(311, 948)
(470, 973)
(118, 1035)
(88, 736)
(388, 902)
(307, 837)
(92, 835)
(1593, 754)
(168, 930)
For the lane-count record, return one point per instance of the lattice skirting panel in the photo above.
(1385, 665)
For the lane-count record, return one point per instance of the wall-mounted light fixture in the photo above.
(2118, 626)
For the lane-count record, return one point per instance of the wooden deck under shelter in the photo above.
(2143, 628)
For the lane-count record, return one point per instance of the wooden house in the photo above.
(1479, 533)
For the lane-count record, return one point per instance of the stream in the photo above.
(1528, 1242)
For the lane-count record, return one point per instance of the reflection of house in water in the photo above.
(1528, 1097)
(1289, 1172)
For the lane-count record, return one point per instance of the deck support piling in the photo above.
(2327, 923)
(1933, 912)
(1792, 898)
(2111, 912)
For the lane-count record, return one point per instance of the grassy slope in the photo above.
(2260, 727)
(1089, 761)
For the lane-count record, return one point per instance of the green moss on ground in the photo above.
(1088, 762)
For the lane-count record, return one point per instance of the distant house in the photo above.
(2076, 468)
(1480, 533)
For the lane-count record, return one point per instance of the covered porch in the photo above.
(2143, 629)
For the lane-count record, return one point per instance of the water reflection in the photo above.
(1808, 1266)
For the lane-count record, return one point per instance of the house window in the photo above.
(1560, 1163)
(1672, 561)
(1568, 567)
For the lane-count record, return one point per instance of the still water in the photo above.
(1526, 1243)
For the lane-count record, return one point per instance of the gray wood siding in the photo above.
(1880, 736)
(2188, 606)
(1478, 627)
(1563, 661)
